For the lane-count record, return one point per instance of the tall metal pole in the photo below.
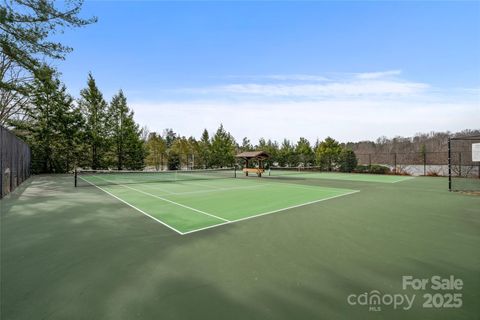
(395, 163)
(459, 164)
(449, 166)
(425, 163)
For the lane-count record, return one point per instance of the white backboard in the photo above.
(475, 151)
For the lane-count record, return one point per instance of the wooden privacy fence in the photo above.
(15, 158)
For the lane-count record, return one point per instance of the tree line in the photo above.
(433, 142)
(64, 132)
(90, 132)
(169, 150)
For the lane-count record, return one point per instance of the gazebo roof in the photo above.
(253, 154)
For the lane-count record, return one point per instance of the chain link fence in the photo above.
(15, 159)
(457, 163)
(413, 163)
(464, 164)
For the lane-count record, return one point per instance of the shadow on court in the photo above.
(71, 253)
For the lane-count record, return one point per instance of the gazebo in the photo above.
(248, 156)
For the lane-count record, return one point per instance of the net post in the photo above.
(235, 171)
(75, 176)
(449, 166)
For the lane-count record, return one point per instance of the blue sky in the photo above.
(352, 70)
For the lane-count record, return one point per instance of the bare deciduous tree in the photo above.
(13, 91)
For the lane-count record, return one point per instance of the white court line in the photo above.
(306, 187)
(194, 184)
(403, 179)
(175, 203)
(166, 200)
(370, 181)
(132, 206)
(206, 191)
(270, 212)
(326, 177)
(167, 191)
(219, 224)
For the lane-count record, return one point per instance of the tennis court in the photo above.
(313, 173)
(196, 200)
(90, 252)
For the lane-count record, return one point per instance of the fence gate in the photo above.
(464, 164)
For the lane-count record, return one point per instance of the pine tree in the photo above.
(125, 135)
(246, 145)
(118, 115)
(94, 110)
(194, 152)
(205, 149)
(169, 136)
(273, 151)
(52, 127)
(156, 148)
(304, 152)
(135, 148)
(286, 154)
(223, 148)
(262, 144)
(70, 122)
(173, 161)
(181, 148)
(327, 154)
(347, 160)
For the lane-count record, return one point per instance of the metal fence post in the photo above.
(395, 163)
(449, 166)
(425, 163)
(460, 164)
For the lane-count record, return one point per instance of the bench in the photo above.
(258, 171)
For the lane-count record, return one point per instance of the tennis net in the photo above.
(120, 177)
(283, 171)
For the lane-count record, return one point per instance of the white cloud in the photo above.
(283, 77)
(355, 88)
(377, 75)
(296, 77)
(313, 87)
(346, 120)
(351, 107)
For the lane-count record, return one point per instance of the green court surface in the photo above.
(190, 206)
(82, 253)
(341, 176)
